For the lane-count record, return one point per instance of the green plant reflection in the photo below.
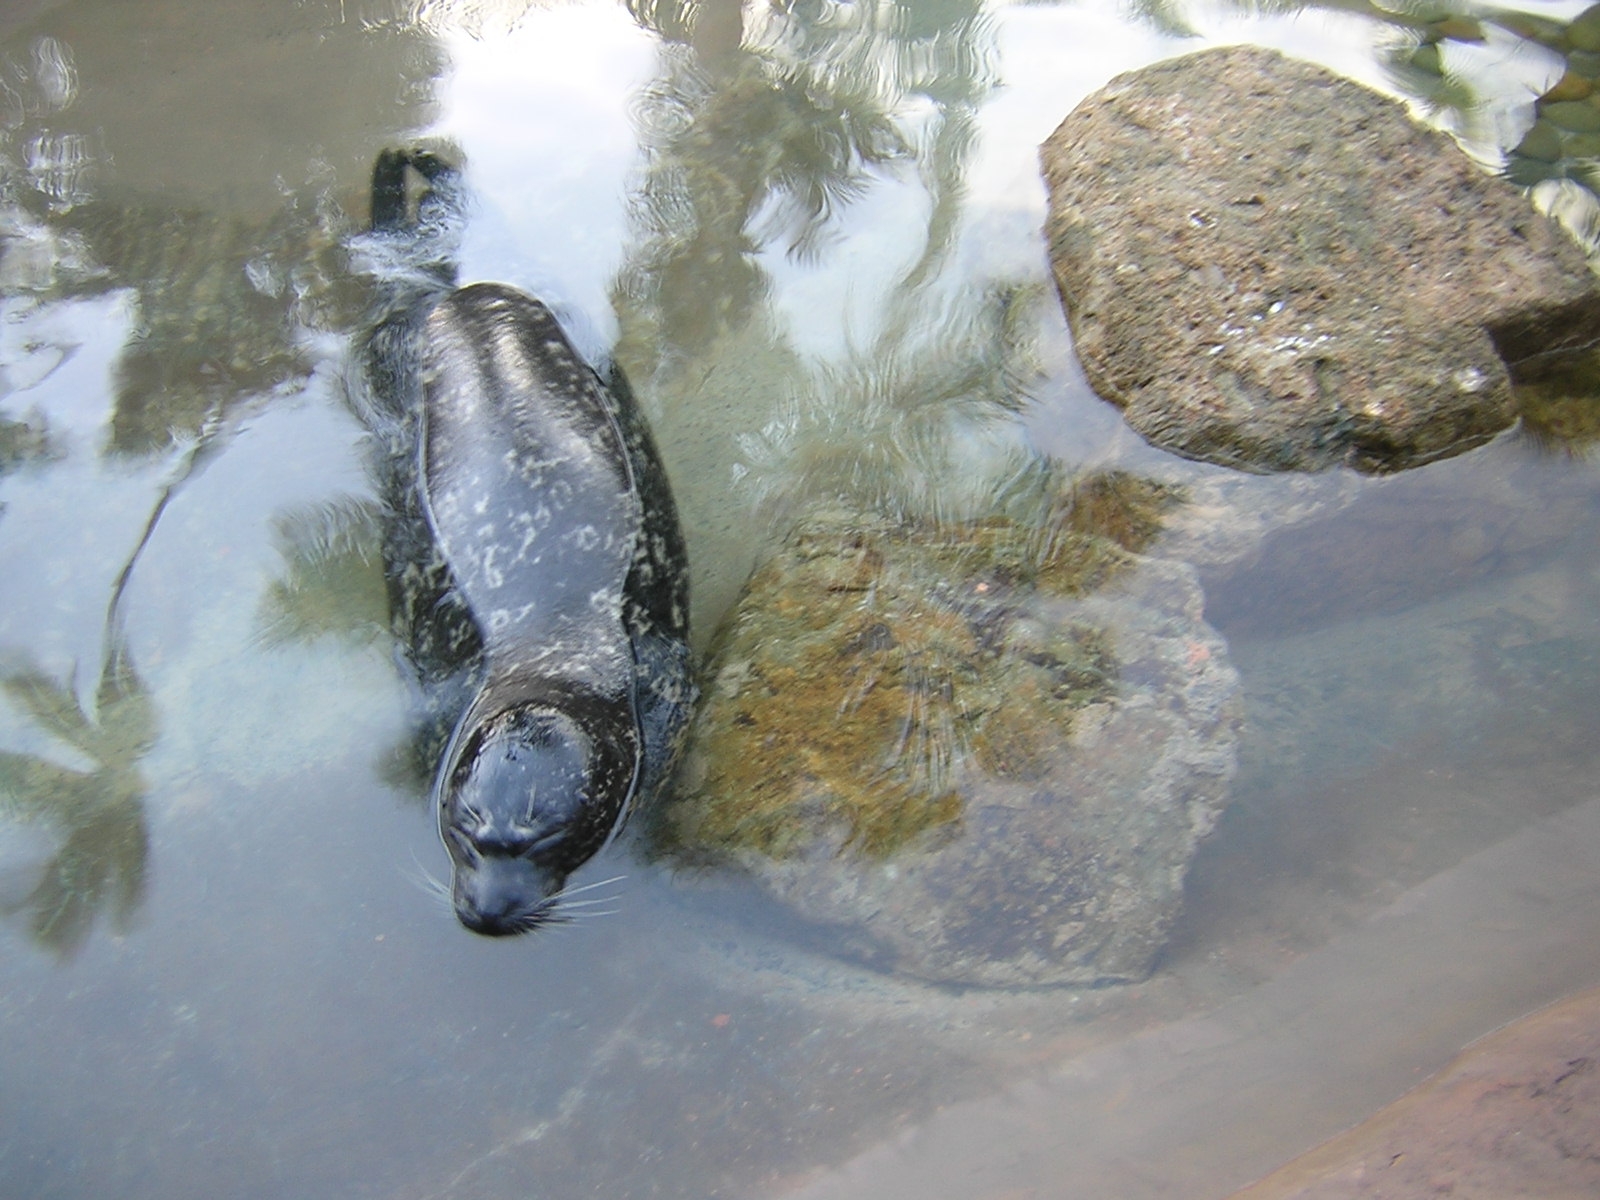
(765, 126)
(229, 277)
(915, 425)
(741, 152)
(1564, 139)
(98, 813)
(332, 584)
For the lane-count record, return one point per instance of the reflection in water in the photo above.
(227, 310)
(744, 148)
(332, 584)
(231, 311)
(102, 862)
(915, 426)
(768, 132)
(99, 813)
(1562, 143)
(763, 135)
(1416, 60)
(302, 1028)
(1558, 157)
(230, 314)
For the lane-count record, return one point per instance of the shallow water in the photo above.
(223, 973)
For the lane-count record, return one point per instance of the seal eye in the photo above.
(459, 843)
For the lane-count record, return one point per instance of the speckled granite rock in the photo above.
(1269, 267)
(980, 753)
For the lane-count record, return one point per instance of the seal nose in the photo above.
(500, 924)
(499, 897)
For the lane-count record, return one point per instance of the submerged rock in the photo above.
(1269, 267)
(980, 753)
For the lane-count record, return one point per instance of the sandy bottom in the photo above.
(1517, 1114)
(1202, 1106)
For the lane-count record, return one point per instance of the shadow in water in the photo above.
(1561, 408)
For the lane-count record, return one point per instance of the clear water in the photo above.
(222, 972)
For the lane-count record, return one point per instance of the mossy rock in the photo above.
(979, 752)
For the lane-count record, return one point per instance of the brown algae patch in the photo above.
(869, 667)
(1128, 510)
(1560, 404)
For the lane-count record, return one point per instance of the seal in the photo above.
(536, 551)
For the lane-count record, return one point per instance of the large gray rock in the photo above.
(1269, 267)
(977, 753)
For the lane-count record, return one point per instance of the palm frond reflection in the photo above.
(98, 814)
(913, 426)
(332, 583)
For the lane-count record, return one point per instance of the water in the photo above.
(222, 972)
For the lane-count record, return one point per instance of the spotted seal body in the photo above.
(542, 518)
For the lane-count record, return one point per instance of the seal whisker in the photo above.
(570, 904)
(564, 893)
(430, 884)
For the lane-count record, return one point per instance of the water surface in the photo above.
(222, 972)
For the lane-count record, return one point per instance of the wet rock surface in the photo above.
(1233, 288)
(981, 753)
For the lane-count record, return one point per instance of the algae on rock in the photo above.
(979, 751)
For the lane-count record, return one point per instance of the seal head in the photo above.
(525, 796)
